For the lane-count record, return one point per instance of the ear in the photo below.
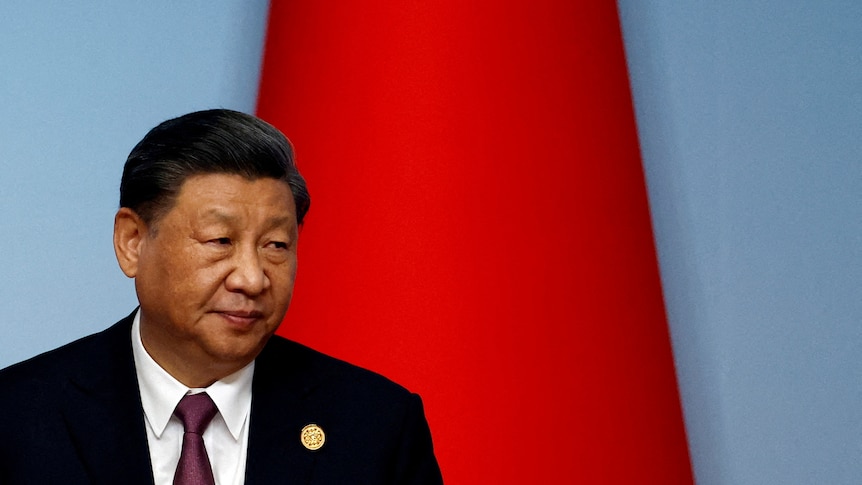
(129, 233)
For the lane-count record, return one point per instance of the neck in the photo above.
(188, 366)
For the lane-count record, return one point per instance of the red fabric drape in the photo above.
(479, 229)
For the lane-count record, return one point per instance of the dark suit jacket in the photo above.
(74, 416)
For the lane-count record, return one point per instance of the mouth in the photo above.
(240, 318)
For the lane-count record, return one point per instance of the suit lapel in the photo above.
(279, 411)
(103, 413)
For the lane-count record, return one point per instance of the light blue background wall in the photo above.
(80, 84)
(750, 120)
(749, 116)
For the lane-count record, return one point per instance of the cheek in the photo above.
(206, 279)
(282, 279)
(194, 277)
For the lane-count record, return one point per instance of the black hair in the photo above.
(206, 142)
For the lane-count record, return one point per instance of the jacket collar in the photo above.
(104, 416)
(279, 411)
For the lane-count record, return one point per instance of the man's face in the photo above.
(215, 277)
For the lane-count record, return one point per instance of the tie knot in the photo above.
(195, 411)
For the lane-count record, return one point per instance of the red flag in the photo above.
(479, 229)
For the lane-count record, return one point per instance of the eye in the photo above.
(220, 241)
(277, 252)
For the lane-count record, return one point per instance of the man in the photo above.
(193, 387)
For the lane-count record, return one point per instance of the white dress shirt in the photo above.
(226, 438)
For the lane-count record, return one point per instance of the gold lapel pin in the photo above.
(312, 437)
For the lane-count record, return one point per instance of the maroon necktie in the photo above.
(195, 411)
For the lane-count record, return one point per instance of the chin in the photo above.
(239, 350)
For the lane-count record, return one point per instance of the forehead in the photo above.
(230, 192)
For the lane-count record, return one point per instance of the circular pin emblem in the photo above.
(312, 437)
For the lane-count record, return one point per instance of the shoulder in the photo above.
(291, 362)
(330, 389)
(96, 352)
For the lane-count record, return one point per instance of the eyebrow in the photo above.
(222, 216)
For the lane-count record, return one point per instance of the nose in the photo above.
(247, 274)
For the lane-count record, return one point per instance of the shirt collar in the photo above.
(161, 392)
